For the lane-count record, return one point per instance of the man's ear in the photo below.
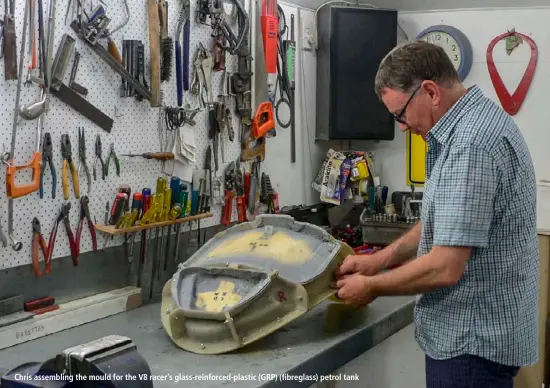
(433, 91)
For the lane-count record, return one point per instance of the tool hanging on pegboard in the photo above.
(511, 103)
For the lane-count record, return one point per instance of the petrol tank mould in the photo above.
(248, 281)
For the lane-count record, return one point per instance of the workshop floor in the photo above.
(396, 362)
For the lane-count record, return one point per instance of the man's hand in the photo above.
(367, 265)
(355, 290)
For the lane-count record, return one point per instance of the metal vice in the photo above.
(109, 362)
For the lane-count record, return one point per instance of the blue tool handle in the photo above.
(175, 186)
(179, 80)
(194, 202)
(186, 56)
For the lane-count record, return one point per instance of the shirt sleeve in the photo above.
(464, 198)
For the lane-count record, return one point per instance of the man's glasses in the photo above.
(399, 116)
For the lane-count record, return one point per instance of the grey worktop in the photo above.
(319, 342)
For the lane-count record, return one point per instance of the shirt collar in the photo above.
(442, 130)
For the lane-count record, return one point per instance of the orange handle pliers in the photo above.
(39, 243)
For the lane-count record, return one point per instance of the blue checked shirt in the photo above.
(481, 192)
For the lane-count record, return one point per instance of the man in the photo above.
(476, 265)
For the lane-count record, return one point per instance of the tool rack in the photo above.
(112, 230)
(135, 131)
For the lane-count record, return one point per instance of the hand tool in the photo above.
(175, 200)
(195, 193)
(198, 83)
(206, 193)
(269, 26)
(239, 188)
(182, 64)
(85, 214)
(68, 163)
(159, 197)
(167, 43)
(146, 194)
(90, 33)
(82, 157)
(154, 155)
(12, 190)
(263, 121)
(229, 186)
(154, 53)
(10, 42)
(112, 154)
(63, 217)
(165, 213)
(218, 52)
(117, 209)
(137, 207)
(72, 80)
(98, 157)
(39, 244)
(47, 158)
(183, 201)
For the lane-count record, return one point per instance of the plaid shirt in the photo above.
(481, 193)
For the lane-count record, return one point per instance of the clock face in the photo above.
(449, 44)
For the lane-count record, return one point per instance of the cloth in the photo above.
(481, 192)
(468, 372)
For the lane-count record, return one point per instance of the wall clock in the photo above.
(454, 42)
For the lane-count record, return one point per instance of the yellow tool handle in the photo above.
(65, 179)
(76, 185)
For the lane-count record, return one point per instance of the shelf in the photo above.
(110, 229)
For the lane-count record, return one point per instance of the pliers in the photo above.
(82, 157)
(112, 154)
(68, 163)
(85, 213)
(39, 243)
(47, 157)
(63, 216)
(99, 158)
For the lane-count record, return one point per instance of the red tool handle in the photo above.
(227, 208)
(263, 121)
(241, 209)
(14, 191)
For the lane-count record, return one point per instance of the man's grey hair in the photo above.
(407, 65)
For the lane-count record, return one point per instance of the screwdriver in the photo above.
(153, 155)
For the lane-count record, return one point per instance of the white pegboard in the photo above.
(135, 130)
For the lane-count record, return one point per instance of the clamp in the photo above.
(82, 157)
(85, 213)
(68, 162)
(39, 244)
(63, 217)
(112, 154)
(229, 186)
(47, 158)
(202, 77)
(99, 158)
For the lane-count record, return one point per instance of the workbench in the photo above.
(320, 342)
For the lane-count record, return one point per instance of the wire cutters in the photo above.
(39, 243)
(85, 213)
(112, 154)
(68, 163)
(63, 217)
(47, 157)
(99, 158)
(82, 157)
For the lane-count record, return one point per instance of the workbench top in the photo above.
(319, 342)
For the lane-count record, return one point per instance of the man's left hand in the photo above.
(355, 290)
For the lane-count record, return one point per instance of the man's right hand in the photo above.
(367, 265)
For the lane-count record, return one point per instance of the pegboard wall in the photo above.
(135, 129)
